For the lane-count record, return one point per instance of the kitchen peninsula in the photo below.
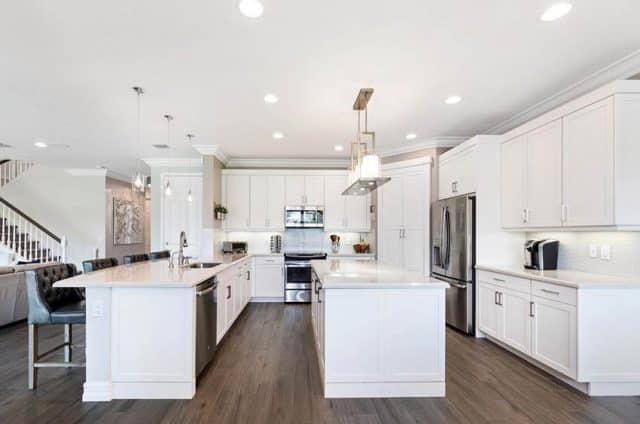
(142, 321)
(379, 330)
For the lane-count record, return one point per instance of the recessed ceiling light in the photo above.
(277, 135)
(160, 146)
(556, 11)
(270, 98)
(452, 100)
(411, 136)
(251, 8)
(40, 144)
(338, 147)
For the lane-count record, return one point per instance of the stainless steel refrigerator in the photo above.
(453, 257)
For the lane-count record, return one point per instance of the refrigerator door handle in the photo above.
(448, 229)
(442, 235)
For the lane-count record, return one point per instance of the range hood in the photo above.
(365, 170)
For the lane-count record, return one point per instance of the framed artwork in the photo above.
(128, 224)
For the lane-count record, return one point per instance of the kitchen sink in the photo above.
(202, 265)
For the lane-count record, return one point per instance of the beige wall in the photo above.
(211, 190)
(122, 190)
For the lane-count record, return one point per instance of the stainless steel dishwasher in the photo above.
(206, 316)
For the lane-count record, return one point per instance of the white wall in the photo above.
(574, 251)
(70, 206)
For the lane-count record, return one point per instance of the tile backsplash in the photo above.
(300, 239)
(575, 248)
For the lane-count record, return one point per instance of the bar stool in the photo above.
(140, 257)
(162, 254)
(97, 264)
(52, 306)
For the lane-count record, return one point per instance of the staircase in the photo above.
(12, 169)
(26, 239)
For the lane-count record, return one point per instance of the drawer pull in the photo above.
(532, 312)
(498, 280)
(557, 293)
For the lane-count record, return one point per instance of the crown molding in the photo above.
(437, 142)
(627, 67)
(86, 172)
(212, 150)
(284, 163)
(173, 162)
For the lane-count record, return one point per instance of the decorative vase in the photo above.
(220, 216)
(335, 247)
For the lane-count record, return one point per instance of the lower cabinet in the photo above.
(268, 281)
(233, 294)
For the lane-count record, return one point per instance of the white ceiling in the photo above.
(67, 68)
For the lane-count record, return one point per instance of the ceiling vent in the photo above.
(5, 146)
(160, 146)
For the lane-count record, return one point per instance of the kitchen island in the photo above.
(379, 330)
(141, 326)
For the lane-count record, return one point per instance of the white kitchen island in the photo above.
(141, 327)
(379, 330)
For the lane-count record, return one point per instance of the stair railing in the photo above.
(30, 241)
(12, 169)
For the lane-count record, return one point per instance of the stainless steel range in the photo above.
(297, 276)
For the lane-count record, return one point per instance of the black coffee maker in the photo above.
(541, 254)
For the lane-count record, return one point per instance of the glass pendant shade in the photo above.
(138, 181)
(370, 167)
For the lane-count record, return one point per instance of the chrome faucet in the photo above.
(182, 260)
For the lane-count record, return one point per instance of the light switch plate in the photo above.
(605, 252)
(593, 251)
(98, 309)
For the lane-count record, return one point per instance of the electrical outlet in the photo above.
(605, 252)
(593, 251)
(98, 309)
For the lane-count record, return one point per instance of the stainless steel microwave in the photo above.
(304, 217)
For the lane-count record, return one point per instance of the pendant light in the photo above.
(189, 194)
(168, 191)
(138, 179)
(365, 170)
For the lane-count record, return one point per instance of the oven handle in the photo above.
(297, 265)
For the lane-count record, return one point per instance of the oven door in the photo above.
(297, 276)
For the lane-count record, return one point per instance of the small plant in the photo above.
(220, 209)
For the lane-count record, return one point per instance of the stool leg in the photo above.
(33, 356)
(67, 341)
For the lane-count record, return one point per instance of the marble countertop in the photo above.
(565, 277)
(147, 274)
(363, 274)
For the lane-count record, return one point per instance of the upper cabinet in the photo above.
(576, 166)
(457, 172)
(237, 190)
(305, 190)
(344, 213)
(267, 202)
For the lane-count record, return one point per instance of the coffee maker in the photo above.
(541, 254)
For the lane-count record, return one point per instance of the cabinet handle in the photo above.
(400, 233)
(524, 216)
(454, 187)
(532, 312)
(557, 293)
(248, 275)
(498, 280)
(228, 292)
(495, 298)
(499, 298)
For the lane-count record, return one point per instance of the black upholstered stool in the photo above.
(162, 254)
(97, 264)
(140, 257)
(52, 306)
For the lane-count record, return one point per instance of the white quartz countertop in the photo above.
(363, 274)
(147, 274)
(570, 278)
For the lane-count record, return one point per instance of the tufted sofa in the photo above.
(98, 264)
(161, 254)
(140, 257)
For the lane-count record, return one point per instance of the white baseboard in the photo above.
(267, 300)
(154, 390)
(97, 391)
(384, 390)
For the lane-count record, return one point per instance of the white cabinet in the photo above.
(457, 172)
(305, 190)
(514, 159)
(488, 309)
(346, 213)
(267, 202)
(587, 165)
(268, 279)
(232, 295)
(404, 216)
(554, 339)
(237, 191)
(515, 316)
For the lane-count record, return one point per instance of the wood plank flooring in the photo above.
(265, 371)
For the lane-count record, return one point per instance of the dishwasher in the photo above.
(206, 328)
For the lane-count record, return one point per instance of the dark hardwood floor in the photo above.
(265, 371)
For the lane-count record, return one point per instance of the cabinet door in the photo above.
(275, 202)
(238, 292)
(554, 335)
(392, 202)
(238, 192)
(228, 300)
(221, 312)
(445, 179)
(587, 165)
(269, 281)
(334, 204)
(414, 205)
(314, 190)
(357, 213)
(544, 176)
(295, 187)
(413, 249)
(489, 311)
(259, 195)
(392, 247)
(516, 325)
(514, 159)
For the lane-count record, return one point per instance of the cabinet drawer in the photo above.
(507, 281)
(555, 292)
(269, 260)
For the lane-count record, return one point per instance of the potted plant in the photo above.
(220, 212)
